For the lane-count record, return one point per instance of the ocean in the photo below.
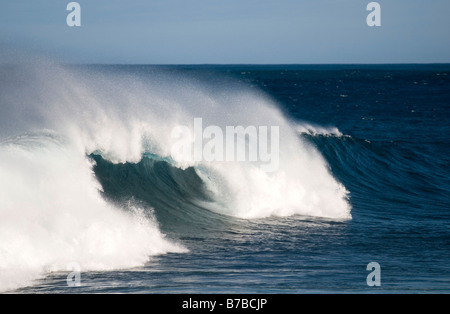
(93, 199)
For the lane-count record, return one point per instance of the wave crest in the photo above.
(51, 211)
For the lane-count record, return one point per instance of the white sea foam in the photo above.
(51, 215)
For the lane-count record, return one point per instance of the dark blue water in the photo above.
(393, 157)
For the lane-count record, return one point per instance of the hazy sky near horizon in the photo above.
(228, 31)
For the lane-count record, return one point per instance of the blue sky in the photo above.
(229, 31)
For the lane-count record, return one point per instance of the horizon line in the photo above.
(259, 64)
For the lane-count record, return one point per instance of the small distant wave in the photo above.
(311, 129)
